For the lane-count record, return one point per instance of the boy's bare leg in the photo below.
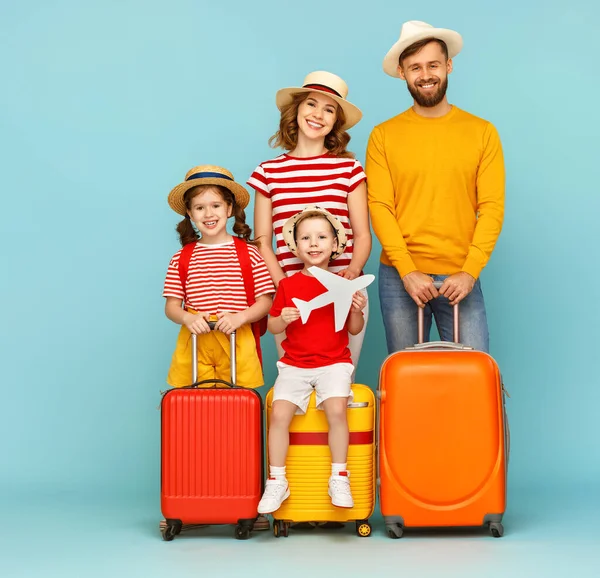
(277, 488)
(336, 410)
(282, 414)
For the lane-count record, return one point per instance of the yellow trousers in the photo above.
(214, 358)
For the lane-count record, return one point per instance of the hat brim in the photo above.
(289, 226)
(176, 202)
(352, 113)
(453, 41)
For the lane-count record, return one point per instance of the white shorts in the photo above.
(295, 384)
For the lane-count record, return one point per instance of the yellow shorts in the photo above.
(213, 358)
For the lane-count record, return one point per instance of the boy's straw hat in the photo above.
(207, 175)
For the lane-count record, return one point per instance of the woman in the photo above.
(316, 169)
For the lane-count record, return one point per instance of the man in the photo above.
(435, 177)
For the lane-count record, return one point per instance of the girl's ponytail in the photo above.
(187, 233)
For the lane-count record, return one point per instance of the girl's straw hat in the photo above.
(207, 175)
(330, 85)
(290, 226)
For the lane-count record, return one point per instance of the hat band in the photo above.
(323, 88)
(208, 175)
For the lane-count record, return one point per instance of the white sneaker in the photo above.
(276, 491)
(339, 490)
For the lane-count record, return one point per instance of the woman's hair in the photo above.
(185, 228)
(287, 135)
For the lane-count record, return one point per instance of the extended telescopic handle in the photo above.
(211, 324)
(421, 319)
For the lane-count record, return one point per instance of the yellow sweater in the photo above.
(436, 191)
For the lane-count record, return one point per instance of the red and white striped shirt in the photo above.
(215, 282)
(293, 183)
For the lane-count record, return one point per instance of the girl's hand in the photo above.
(229, 322)
(289, 314)
(196, 323)
(348, 274)
(359, 301)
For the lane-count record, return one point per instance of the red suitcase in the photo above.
(443, 438)
(212, 455)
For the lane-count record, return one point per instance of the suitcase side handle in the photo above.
(356, 404)
(233, 359)
(421, 320)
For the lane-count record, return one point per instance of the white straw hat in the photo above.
(414, 31)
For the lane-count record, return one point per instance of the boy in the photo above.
(316, 356)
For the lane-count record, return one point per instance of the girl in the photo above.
(212, 287)
(316, 169)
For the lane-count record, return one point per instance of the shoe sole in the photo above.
(285, 497)
(340, 505)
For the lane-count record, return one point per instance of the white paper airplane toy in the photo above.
(339, 292)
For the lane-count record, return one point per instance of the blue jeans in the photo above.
(399, 314)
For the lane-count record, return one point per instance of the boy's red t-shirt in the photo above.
(314, 343)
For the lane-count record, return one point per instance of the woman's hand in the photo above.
(349, 273)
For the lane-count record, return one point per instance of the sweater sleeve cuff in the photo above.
(405, 266)
(472, 267)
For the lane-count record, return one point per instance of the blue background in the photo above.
(105, 105)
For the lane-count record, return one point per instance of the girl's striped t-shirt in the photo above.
(215, 283)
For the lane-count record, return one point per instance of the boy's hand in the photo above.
(359, 302)
(289, 314)
(229, 322)
(196, 323)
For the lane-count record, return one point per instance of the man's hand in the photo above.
(456, 287)
(420, 287)
(197, 324)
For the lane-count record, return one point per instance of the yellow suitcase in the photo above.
(308, 466)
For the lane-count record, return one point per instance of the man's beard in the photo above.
(430, 100)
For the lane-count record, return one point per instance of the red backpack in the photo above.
(241, 248)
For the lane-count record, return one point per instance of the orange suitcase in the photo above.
(443, 438)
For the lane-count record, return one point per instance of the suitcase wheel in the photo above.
(394, 531)
(280, 528)
(168, 532)
(170, 528)
(242, 532)
(363, 528)
(496, 529)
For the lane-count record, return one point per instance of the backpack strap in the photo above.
(243, 255)
(184, 265)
